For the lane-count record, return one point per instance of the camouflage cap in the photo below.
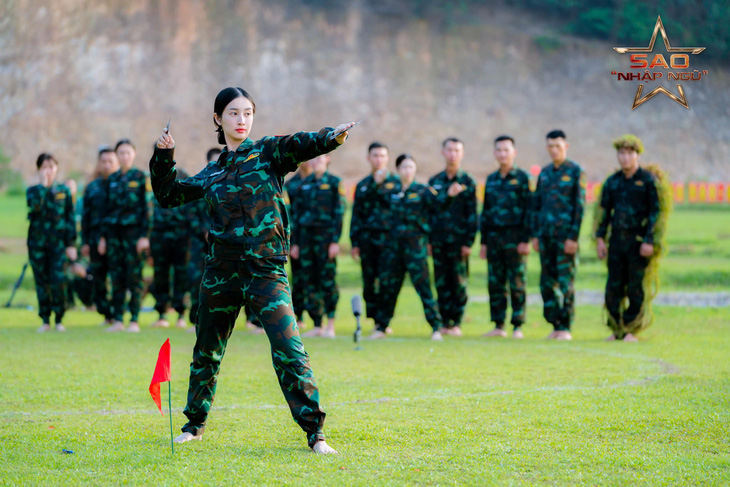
(629, 141)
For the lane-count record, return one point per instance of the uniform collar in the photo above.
(227, 154)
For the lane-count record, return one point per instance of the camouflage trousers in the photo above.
(318, 274)
(125, 269)
(170, 252)
(557, 278)
(506, 268)
(625, 280)
(262, 285)
(196, 265)
(297, 288)
(50, 281)
(371, 250)
(451, 273)
(407, 254)
(99, 269)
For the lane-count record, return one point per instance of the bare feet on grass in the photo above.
(497, 332)
(376, 335)
(630, 338)
(322, 448)
(563, 335)
(161, 323)
(314, 332)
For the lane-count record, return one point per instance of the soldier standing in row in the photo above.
(369, 231)
(505, 230)
(170, 241)
(411, 207)
(319, 211)
(557, 215)
(92, 216)
(292, 188)
(125, 232)
(51, 240)
(452, 234)
(629, 213)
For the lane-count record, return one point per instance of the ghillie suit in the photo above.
(650, 282)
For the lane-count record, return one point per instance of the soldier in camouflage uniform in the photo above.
(248, 247)
(557, 215)
(292, 188)
(92, 216)
(125, 235)
(505, 230)
(319, 208)
(411, 206)
(51, 240)
(199, 227)
(170, 247)
(630, 205)
(452, 234)
(369, 232)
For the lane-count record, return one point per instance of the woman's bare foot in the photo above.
(630, 338)
(322, 448)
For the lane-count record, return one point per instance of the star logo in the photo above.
(659, 61)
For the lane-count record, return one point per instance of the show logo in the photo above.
(656, 68)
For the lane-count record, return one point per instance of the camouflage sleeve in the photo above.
(294, 212)
(470, 214)
(287, 152)
(536, 206)
(484, 218)
(145, 212)
(653, 203)
(526, 204)
(338, 212)
(34, 199)
(356, 219)
(607, 206)
(69, 216)
(579, 200)
(85, 218)
(171, 192)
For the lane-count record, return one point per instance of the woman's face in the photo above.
(49, 166)
(407, 170)
(126, 155)
(236, 120)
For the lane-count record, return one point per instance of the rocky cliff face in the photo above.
(76, 74)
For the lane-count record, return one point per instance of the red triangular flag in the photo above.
(162, 374)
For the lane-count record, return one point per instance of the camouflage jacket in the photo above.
(369, 213)
(127, 202)
(558, 201)
(92, 211)
(411, 210)
(51, 215)
(320, 203)
(173, 222)
(507, 204)
(630, 204)
(244, 192)
(457, 224)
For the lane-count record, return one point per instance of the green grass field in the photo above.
(404, 410)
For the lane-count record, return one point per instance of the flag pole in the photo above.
(169, 408)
